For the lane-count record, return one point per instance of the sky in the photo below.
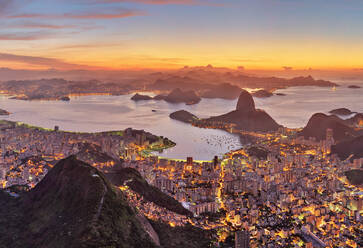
(122, 34)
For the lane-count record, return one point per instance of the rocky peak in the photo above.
(245, 102)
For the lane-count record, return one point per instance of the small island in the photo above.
(139, 97)
(354, 87)
(65, 99)
(280, 94)
(183, 116)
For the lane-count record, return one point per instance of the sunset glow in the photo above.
(118, 34)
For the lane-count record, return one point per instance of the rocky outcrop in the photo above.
(247, 117)
(139, 97)
(183, 116)
(245, 102)
(179, 96)
(319, 123)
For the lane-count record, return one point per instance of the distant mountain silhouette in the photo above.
(179, 96)
(354, 87)
(224, 91)
(207, 79)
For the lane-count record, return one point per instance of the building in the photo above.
(215, 162)
(205, 207)
(329, 141)
(140, 139)
(242, 239)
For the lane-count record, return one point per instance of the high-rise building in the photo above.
(215, 162)
(140, 139)
(329, 140)
(189, 160)
(242, 239)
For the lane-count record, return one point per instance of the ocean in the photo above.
(95, 113)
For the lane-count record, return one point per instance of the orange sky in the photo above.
(121, 34)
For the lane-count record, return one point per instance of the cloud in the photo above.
(25, 36)
(42, 61)
(161, 2)
(157, 2)
(287, 68)
(81, 46)
(32, 25)
(111, 15)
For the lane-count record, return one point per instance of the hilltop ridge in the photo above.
(75, 205)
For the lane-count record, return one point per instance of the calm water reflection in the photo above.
(103, 113)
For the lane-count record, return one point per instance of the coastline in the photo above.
(55, 96)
